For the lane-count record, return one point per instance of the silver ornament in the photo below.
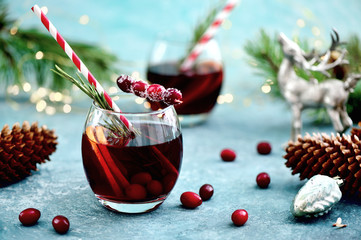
(316, 197)
(300, 94)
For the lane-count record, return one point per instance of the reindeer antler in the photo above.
(324, 64)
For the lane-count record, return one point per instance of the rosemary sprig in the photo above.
(202, 25)
(115, 125)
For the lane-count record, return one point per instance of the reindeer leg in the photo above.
(296, 121)
(346, 120)
(335, 118)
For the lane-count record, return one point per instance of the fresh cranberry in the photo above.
(140, 88)
(155, 188)
(61, 224)
(136, 192)
(29, 216)
(190, 200)
(263, 180)
(239, 217)
(172, 96)
(264, 148)
(228, 155)
(155, 92)
(141, 178)
(124, 83)
(206, 192)
(169, 181)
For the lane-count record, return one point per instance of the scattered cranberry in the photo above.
(61, 224)
(155, 188)
(228, 155)
(29, 216)
(206, 192)
(264, 148)
(190, 199)
(141, 178)
(136, 192)
(140, 88)
(155, 92)
(124, 83)
(172, 96)
(239, 217)
(263, 180)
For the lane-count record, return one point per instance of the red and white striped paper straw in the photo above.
(72, 55)
(208, 34)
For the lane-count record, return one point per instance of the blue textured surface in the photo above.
(60, 186)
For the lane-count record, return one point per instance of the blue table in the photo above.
(60, 186)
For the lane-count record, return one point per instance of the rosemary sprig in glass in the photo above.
(116, 126)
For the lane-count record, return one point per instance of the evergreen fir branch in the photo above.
(266, 55)
(18, 64)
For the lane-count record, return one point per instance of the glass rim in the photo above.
(152, 112)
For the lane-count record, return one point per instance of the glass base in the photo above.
(136, 207)
(191, 120)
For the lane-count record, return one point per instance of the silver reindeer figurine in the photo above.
(300, 94)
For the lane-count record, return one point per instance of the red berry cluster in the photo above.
(30, 216)
(240, 216)
(153, 92)
(192, 200)
(142, 185)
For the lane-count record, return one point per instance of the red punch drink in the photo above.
(135, 173)
(114, 175)
(200, 86)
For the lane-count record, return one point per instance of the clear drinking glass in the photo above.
(132, 171)
(199, 85)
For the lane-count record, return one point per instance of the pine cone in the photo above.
(21, 148)
(328, 155)
(357, 131)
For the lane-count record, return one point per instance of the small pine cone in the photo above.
(327, 155)
(21, 148)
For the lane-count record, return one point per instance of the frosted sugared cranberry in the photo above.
(155, 188)
(61, 224)
(172, 96)
(206, 192)
(124, 83)
(228, 155)
(190, 200)
(239, 217)
(139, 88)
(264, 148)
(155, 92)
(141, 178)
(263, 180)
(136, 192)
(29, 216)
